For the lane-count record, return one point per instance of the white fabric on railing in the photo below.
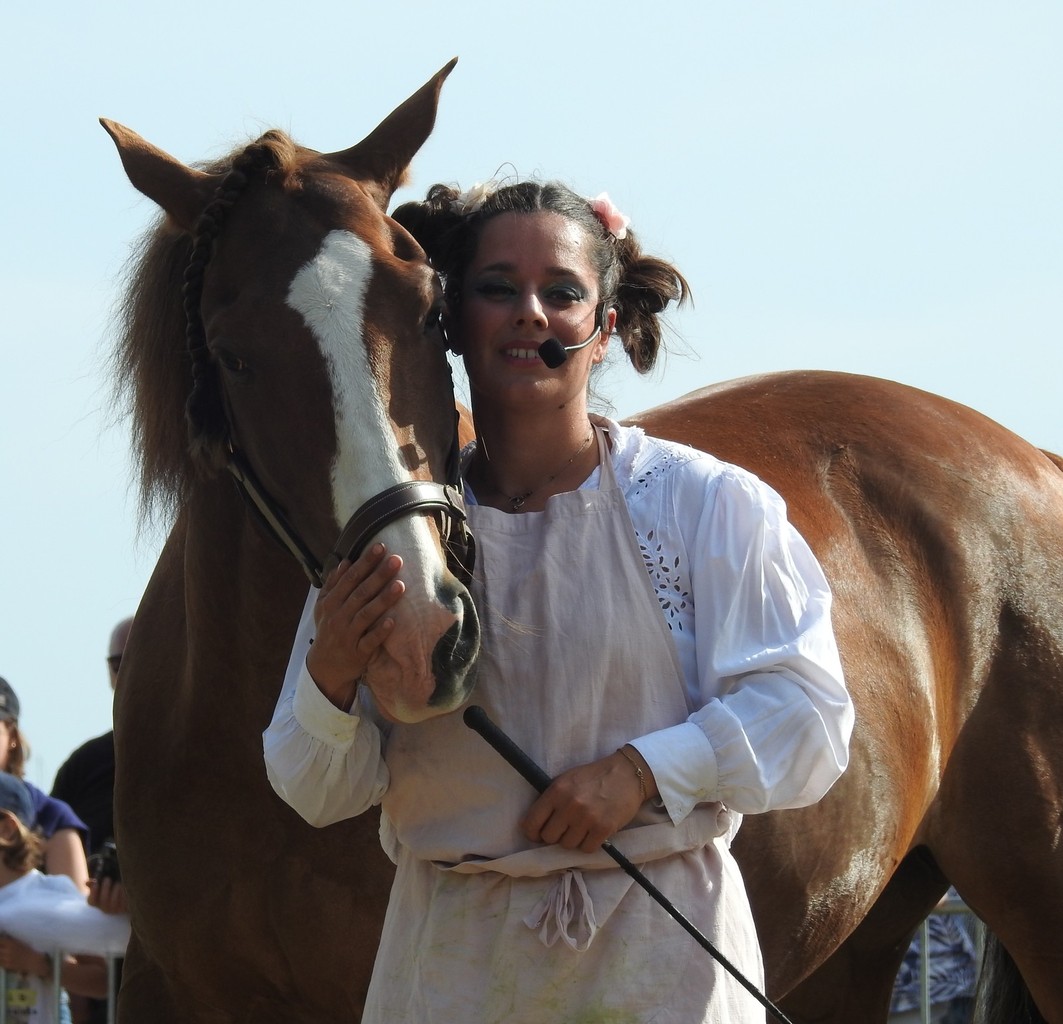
(50, 912)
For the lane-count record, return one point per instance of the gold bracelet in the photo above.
(638, 771)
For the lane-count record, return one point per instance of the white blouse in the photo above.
(749, 611)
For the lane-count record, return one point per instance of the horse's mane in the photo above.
(151, 366)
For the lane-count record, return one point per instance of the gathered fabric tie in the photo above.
(565, 912)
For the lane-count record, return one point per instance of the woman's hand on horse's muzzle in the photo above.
(352, 622)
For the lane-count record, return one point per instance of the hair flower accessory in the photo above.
(612, 219)
(472, 198)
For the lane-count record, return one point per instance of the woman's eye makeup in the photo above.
(494, 289)
(565, 294)
(558, 294)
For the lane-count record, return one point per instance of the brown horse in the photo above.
(314, 370)
(939, 530)
(941, 533)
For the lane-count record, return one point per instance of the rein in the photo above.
(208, 419)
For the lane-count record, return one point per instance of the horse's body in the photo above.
(939, 530)
(941, 533)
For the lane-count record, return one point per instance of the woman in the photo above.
(63, 831)
(656, 636)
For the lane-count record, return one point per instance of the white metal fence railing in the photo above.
(57, 988)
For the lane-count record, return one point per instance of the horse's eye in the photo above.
(434, 318)
(230, 362)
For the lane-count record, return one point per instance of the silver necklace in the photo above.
(516, 501)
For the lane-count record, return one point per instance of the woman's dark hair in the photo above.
(637, 286)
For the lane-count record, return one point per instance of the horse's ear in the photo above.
(181, 191)
(380, 161)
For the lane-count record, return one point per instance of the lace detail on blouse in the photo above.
(644, 465)
(667, 459)
(668, 577)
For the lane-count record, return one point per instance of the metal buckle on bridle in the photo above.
(409, 498)
(414, 497)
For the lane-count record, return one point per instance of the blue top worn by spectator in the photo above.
(51, 814)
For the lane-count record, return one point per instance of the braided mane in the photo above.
(160, 377)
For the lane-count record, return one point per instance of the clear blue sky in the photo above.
(871, 187)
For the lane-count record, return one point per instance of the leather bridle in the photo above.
(410, 497)
(206, 405)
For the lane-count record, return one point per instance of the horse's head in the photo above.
(313, 369)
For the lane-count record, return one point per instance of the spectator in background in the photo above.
(86, 779)
(953, 973)
(86, 782)
(39, 913)
(64, 833)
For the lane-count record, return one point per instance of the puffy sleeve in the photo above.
(325, 763)
(773, 726)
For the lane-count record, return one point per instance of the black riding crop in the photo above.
(478, 720)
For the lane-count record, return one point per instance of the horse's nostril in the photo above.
(454, 658)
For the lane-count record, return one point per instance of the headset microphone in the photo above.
(553, 353)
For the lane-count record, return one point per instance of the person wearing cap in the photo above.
(32, 903)
(61, 828)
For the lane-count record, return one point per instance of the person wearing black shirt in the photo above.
(86, 782)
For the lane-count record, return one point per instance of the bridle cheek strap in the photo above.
(273, 517)
(411, 497)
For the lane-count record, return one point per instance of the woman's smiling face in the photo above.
(531, 279)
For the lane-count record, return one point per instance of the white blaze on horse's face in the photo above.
(329, 294)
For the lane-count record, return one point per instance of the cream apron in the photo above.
(484, 927)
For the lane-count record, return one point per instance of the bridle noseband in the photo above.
(207, 413)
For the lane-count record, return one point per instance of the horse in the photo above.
(291, 396)
(937, 529)
(940, 533)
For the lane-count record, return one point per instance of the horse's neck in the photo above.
(243, 594)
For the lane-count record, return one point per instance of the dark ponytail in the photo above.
(646, 286)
